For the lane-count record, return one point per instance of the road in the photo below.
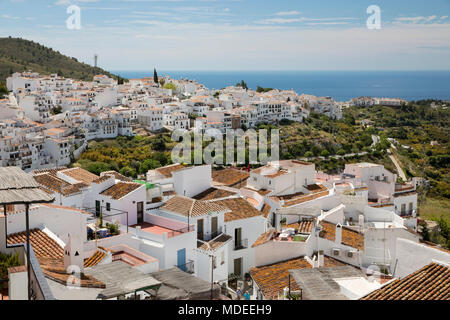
(400, 171)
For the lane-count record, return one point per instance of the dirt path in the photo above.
(400, 171)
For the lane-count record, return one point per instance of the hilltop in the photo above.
(17, 55)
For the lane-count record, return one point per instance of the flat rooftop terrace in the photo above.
(158, 230)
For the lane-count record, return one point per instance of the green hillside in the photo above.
(17, 55)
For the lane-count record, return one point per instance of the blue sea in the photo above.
(341, 85)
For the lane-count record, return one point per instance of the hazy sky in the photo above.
(239, 34)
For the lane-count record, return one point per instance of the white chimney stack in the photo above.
(73, 254)
(321, 258)
(338, 238)
(361, 221)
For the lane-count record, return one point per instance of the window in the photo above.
(108, 206)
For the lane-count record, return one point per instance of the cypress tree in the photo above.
(155, 76)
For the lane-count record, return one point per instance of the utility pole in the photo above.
(212, 275)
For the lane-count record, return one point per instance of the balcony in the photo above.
(407, 213)
(208, 236)
(240, 244)
(404, 188)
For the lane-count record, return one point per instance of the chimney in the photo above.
(73, 255)
(321, 259)
(338, 238)
(361, 221)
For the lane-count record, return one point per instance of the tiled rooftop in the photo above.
(95, 259)
(116, 175)
(43, 245)
(213, 193)
(272, 279)
(120, 190)
(187, 206)
(265, 210)
(168, 170)
(432, 282)
(52, 183)
(350, 237)
(265, 237)
(304, 226)
(230, 177)
(317, 191)
(80, 175)
(214, 244)
(240, 209)
(50, 257)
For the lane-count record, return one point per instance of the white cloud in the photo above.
(288, 13)
(416, 19)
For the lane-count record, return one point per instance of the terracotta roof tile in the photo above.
(240, 209)
(80, 175)
(264, 238)
(266, 210)
(304, 226)
(214, 244)
(272, 279)
(350, 237)
(213, 193)
(51, 183)
(50, 256)
(187, 206)
(116, 175)
(317, 191)
(95, 259)
(168, 170)
(120, 190)
(432, 282)
(43, 245)
(229, 177)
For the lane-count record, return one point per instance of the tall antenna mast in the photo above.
(95, 60)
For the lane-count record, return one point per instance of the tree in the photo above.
(3, 90)
(309, 154)
(155, 76)
(325, 153)
(242, 85)
(170, 86)
(128, 172)
(159, 144)
(149, 164)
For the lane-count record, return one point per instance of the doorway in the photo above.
(200, 229)
(238, 267)
(214, 227)
(140, 212)
(181, 259)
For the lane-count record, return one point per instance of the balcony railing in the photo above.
(407, 213)
(241, 244)
(209, 236)
(180, 231)
(188, 267)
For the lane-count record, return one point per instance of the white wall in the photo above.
(277, 251)
(411, 256)
(252, 228)
(61, 222)
(17, 286)
(191, 181)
